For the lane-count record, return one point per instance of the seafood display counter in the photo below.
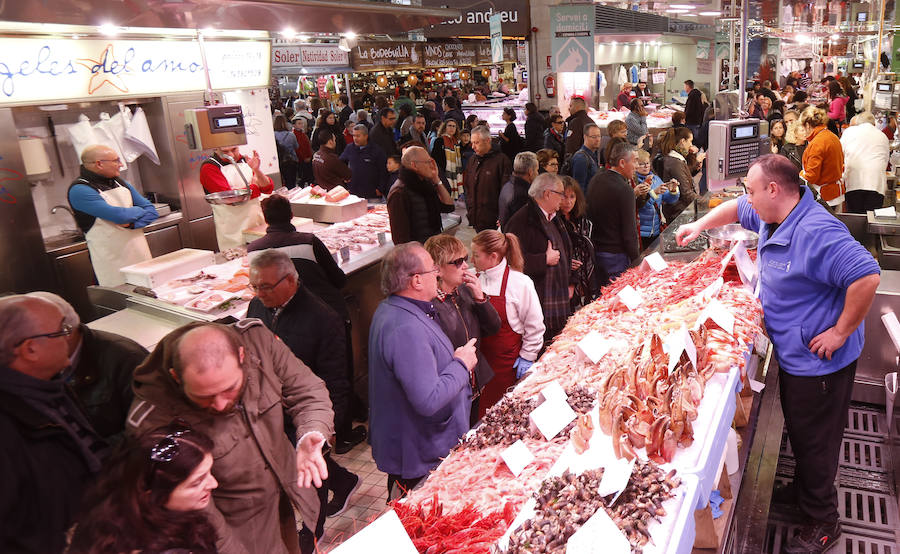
(137, 314)
(617, 435)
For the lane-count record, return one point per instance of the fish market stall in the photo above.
(218, 289)
(624, 422)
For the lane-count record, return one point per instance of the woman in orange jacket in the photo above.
(823, 159)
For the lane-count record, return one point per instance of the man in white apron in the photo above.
(226, 170)
(111, 213)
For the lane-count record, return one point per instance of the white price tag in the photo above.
(720, 315)
(756, 386)
(655, 262)
(713, 289)
(678, 342)
(630, 297)
(517, 457)
(746, 267)
(385, 534)
(553, 391)
(615, 477)
(594, 346)
(551, 417)
(598, 535)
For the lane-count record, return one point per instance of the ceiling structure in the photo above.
(310, 16)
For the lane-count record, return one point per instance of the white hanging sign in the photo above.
(34, 70)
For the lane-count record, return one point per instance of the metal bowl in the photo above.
(229, 197)
(727, 236)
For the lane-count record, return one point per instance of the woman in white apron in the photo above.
(219, 173)
(112, 239)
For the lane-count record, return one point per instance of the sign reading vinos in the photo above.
(450, 54)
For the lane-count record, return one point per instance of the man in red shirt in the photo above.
(226, 170)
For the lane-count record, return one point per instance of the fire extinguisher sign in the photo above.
(573, 38)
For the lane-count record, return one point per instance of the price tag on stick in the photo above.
(385, 534)
(551, 417)
(517, 457)
(630, 297)
(655, 262)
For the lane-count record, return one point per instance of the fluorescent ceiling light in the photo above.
(710, 14)
(676, 10)
(683, 6)
(689, 15)
(108, 29)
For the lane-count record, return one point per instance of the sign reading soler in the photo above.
(573, 38)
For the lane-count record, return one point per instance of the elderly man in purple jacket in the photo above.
(420, 388)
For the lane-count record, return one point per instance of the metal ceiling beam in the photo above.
(313, 16)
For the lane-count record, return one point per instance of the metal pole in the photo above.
(731, 67)
(347, 88)
(745, 16)
(880, 38)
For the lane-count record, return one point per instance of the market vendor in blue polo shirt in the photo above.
(816, 286)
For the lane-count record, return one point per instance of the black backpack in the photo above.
(658, 164)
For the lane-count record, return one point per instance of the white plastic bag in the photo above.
(82, 135)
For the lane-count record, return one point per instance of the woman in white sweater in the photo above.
(511, 352)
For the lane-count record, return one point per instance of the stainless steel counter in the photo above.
(69, 243)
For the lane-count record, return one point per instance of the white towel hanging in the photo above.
(138, 137)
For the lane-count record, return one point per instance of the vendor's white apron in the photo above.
(113, 247)
(232, 220)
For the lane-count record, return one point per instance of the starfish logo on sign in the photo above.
(107, 70)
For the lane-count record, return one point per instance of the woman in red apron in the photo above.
(511, 351)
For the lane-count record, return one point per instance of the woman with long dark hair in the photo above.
(636, 120)
(675, 146)
(511, 142)
(328, 120)
(152, 497)
(448, 157)
(579, 228)
(777, 132)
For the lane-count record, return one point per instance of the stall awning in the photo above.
(315, 16)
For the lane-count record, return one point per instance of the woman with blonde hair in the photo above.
(498, 259)
(823, 158)
(461, 308)
(623, 100)
(794, 143)
(448, 157)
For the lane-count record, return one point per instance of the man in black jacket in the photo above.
(484, 176)
(417, 199)
(514, 193)
(101, 370)
(693, 107)
(382, 132)
(315, 334)
(50, 450)
(575, 123)
(611, 205)
(534, 128)
(319, 273)
(452, 111)
(547, 250)
(344, 110)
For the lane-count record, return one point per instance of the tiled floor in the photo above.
(367, 503)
